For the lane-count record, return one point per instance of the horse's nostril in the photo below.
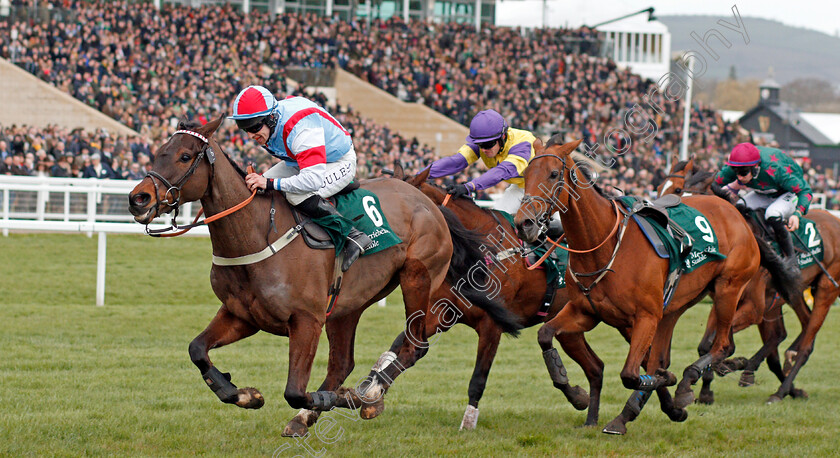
(141, 199)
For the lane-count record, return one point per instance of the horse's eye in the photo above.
(554, 174)
(678, 190)
(185, 157)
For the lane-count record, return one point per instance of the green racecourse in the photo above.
(117, 380)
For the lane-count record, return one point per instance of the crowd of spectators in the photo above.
(149, 69)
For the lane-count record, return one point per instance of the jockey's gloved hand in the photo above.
(458, 190)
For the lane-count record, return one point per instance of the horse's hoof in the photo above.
(797, 393)
(371, 411)
(470, 419)
(706, 397)
(299, 425)
(747, 378)
(774, 398)
(579, 398)
(668, 377)
(683, 400)
(250, 398)
(731, 365)
(615, 427)
(295, 429)
(678, 415)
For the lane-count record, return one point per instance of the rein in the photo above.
(206, 150)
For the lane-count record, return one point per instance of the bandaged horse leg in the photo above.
(224, 329)
(575, 394)
(576, 346)
(631, 410)
(691, 374)
(340, 335)
(707, 396)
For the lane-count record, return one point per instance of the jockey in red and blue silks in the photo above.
(316, 153)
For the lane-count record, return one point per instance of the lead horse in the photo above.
(272, 294)
(625, 282)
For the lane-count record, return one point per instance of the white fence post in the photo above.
(100, 269)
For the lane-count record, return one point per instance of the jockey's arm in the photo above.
(309, 148)
(796, 184)
(452, 164)
(504, 171)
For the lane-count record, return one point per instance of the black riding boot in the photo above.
(782, 236)
(323, 212)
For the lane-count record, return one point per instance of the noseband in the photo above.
(171, 189)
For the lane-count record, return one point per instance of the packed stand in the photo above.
(149, 69)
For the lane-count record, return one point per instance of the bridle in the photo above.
(174, 202)
(171, 189)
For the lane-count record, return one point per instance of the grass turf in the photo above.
(117, 380)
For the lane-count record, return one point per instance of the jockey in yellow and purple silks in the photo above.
(504, 150)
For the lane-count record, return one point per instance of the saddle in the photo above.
(315, 236)
(657, 210)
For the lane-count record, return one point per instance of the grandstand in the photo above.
(147, 69)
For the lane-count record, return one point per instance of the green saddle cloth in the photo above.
(360, 207)
(807, 238)
(555, 264)
(704, 241)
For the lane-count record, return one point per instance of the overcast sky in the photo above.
(822, 15)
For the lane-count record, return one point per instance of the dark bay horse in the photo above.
(275, 294)
(769, 319)
(619, 279)
(520, 289)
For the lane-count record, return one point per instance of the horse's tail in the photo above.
(467, 258)
(786, 279)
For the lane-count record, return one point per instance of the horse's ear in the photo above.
(208, 129)
(420, 178)
(399, 172)
(561, 150)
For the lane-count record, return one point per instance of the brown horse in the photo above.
(627, 282)
(271, 294)
(521, 289)
(769, 319)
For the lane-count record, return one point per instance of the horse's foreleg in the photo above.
(224, 329)
(656, 366)
(565, 326)
(488, 342)
(341, 336)
(772, 332)
(304, 331)
(728, 292)
(576, 346)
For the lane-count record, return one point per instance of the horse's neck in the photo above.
(244, 231)
(588, 221)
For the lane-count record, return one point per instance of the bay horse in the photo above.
(272, 295)
(629, 279)
(769, 319)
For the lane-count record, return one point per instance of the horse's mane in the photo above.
(559, 139)
(186, 124)
(697, 177)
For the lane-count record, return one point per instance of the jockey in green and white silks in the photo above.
(317, 158)
(777, 186)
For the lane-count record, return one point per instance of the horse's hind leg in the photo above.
(341, 336)
(822, 304)
(416, 287)
(224, 329)
(488, 342)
